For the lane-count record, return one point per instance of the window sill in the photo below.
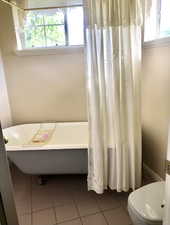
(157, 43)
(50, 51)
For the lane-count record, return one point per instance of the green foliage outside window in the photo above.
(44, 29)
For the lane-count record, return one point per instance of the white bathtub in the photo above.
(64, 153)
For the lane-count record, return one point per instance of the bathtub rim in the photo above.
(47, 146)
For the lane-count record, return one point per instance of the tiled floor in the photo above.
(65, 200)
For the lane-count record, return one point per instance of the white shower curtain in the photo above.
(113, 47)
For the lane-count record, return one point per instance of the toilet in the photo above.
(146, 205)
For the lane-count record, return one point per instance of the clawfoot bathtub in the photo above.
(48, 148)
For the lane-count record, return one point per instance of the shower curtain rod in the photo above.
(53, 7)
(13, 4)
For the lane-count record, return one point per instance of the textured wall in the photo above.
(5, 115)
(42, 88)
(155, 106)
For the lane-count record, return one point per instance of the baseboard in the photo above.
(151, 173)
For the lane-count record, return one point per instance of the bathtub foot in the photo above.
(41, 180)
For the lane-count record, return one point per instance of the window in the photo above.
(53, 27)
(165, 19)
(157, 25)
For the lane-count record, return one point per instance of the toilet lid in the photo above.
(147, 201)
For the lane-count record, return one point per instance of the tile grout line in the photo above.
(68, 221)
(105, 218)
(78, 211)
(40, 210)
(110, 209)
(53, 207)
(101, 211)
(80, 217)
(91, 214)
(75, 203)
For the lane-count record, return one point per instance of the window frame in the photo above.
(58, 50)
(48, 50)
(44, 25)
(158, 41)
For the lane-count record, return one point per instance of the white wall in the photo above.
(156, 106)
(42, 88)
(5, 115)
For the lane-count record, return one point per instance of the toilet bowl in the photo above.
(146, 204)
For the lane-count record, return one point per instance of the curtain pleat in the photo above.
(113, 39)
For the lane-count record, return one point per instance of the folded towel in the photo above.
(41, 137)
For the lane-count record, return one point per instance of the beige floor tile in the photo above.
(106, 202)
(62, 198)
(48, 188)
(21, 180)
(44, 217)
(82, 195)
(43, 190)
(22, 195)
(88, 207)
(124, 203)
(123, 198)
(62, 192)
(23, 207)
(66, 212)
(97, 219)
(25, 219)
(72, 222)
(41, 201)
(117, 217)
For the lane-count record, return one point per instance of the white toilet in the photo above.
(146, 204)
